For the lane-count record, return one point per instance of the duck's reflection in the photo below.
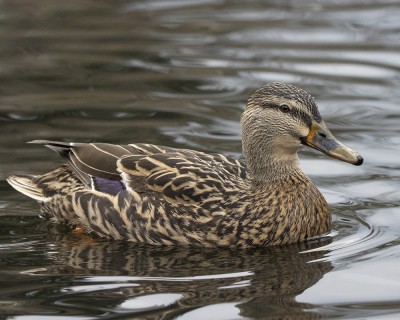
(263, 281)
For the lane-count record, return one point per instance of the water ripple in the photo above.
(179, 73)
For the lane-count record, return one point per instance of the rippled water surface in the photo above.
(178, 73)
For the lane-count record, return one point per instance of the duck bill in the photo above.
(321, 139)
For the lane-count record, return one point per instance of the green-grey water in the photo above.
(178, 73)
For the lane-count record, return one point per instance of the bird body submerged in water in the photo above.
(168, 196)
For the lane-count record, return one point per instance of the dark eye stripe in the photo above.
(295, 113)
(269, 105)
(304, 117)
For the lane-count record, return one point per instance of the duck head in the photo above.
(280, 118)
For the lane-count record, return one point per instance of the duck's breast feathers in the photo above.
(185, 176)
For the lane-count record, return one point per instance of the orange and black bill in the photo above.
(321, 139)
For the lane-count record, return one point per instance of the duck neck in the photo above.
(270, 154)
(265, 166)
(273, 167)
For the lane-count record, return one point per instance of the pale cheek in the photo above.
(304, 131)
(287, 142)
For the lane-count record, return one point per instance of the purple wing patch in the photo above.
(107, 186)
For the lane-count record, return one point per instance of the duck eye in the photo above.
(284, 108)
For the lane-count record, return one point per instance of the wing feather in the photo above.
(185, 177)
(99, 159)
(179, 175)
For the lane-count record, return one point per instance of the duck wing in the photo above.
(98, 160)
(178, 175)
(186, 176)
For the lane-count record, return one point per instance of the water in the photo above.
(178, 73)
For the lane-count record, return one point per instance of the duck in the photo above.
(159, 195)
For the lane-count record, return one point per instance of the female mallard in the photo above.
(167, 196)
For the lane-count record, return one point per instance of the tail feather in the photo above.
(26, 186)
(62, 148)
(65, 150)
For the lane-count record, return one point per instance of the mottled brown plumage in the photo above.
(167, 196)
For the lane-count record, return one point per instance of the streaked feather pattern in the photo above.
(185, 177)
(167, 196)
